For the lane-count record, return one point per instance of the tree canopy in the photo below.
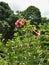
(32, 13)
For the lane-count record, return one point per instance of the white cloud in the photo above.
(23, 4)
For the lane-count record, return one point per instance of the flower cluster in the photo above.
(19, 24)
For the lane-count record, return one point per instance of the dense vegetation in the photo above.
(22, 45)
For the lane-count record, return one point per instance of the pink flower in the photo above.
(38, 33)
(18, 24)
(24, 22)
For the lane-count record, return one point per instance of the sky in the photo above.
(21, 5)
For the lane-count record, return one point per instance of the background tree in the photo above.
(7, 21)
(32, 13)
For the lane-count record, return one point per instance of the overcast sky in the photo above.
(43, 5)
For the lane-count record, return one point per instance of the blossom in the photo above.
(38, 33)
(24, 22)
(18, 23)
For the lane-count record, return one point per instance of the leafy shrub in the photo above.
(25, 49)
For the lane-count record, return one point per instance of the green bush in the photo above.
(25, 49)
